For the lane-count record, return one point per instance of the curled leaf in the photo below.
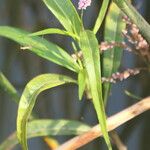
(29, 96)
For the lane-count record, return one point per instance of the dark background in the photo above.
(62, 102)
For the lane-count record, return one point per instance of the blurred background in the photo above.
(62, 102)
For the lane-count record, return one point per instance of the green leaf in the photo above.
(8, 87)
(47, 127)
(101, 16)
(54, 31)
(56, 127)
(40, 46)
(81, 83)
(113, 32)
(65, 12)
(28, 99)
(90, 49)
(131, 95)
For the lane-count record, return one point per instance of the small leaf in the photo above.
(28, 99)
(113, 32)
(81, 82)
(101, 16)
(47, 127)
(41, 47)
(132, 95)
(90, 49)
(67, 15)
(54, 31)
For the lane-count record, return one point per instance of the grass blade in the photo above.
(65, 12)
(113, 32)
(90, 49)
(101, 16)
(28, 99)
(47, 127)
(40, 46)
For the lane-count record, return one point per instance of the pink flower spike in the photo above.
(83, 4)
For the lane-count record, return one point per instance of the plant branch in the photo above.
(117, 141)
(112, 123)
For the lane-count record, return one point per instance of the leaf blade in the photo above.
(47, 127)
(101, 16)
(41, 47)
(90, 49)
(81, 83)
(60, 9)
(8, 87)
(112, 58)
(28, 99)
(53, 31)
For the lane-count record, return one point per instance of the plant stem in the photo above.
(112, 123)
(132, 13)
(117, 141)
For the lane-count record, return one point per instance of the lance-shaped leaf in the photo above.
(54, 31)
(47, 127)
(8, 87)
(90, 49)
(65, 12)
(113, 32)
(40, 47)
(29, 96)
(101, 16)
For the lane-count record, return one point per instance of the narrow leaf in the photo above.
(40, 47)
(47, 127)
(90, 49)
(65, 12)
(113, 32)
(131, 95)
(81, 83)
(28, 99)
(8, 87)
(101, 16)
(54, 31)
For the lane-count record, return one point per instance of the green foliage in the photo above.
(8, 87)
(40, 46)
(131, 95)
(101, 15)
(88, 68)
(47, 127)
(113, 32)
(54, 31)
(90, 49)
(29, 96)
(81, 82)
(65, 12)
